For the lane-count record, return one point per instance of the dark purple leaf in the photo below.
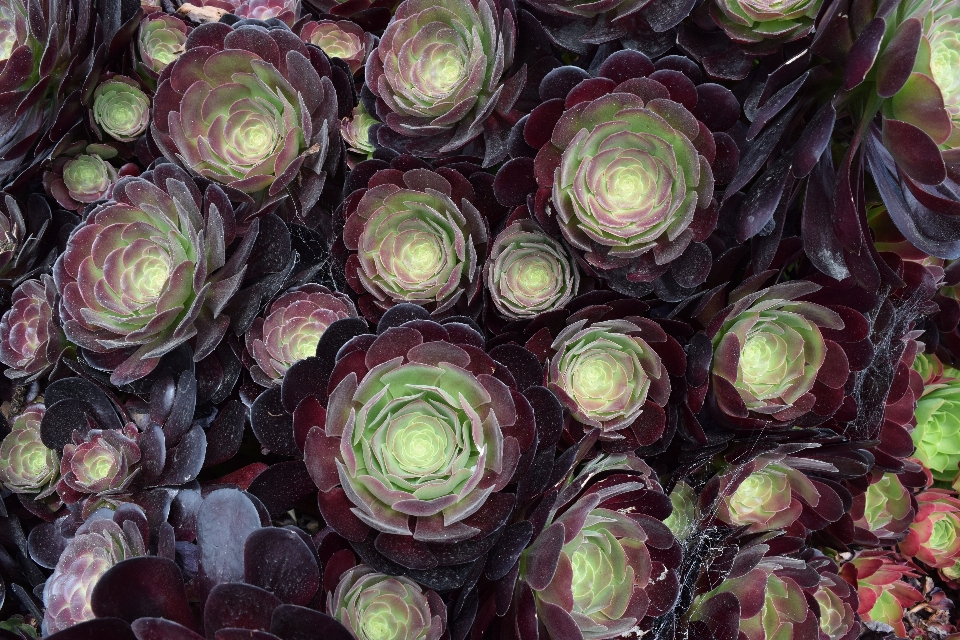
(224, 521)
(896, 62)
(863, 53)
(238, 605)
(291, 622)
(279, 561)
(144, 587)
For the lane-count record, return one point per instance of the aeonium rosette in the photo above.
(85, 173)
(777, 490)
(160, 40)
(609, 376)
(624, 170)
(286, 11)
(414, 236)
(781, 356)
(605, 563)
(340, 39)
(759, 595)
(290, 330)
(413, 435)
(756, 21)
(528, 272)
(121, 109)
(439, 75)
(884, 512)
(146, 271)
(31, 340)
(254, 109)
(101, 463)
(934, 536)
(880, 578)
(100, 543)
(27, 466)
(937, 433)
(374, 606)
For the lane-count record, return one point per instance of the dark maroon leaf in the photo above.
(896, 62)
(863, 53)
(160, 629)
(224, 521)
(238, 605)
(144, 587)
(98, 629)
(291, 622)
(271, 423)
(915, 152)
(279, 561)
(282, 485)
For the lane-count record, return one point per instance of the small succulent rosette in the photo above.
(340, 39)
(881, 581)
(120, 110)
(374, 606)
(937, 432)
(85, 173)
(528, 272)
(763, 21)
(27, 466)
(934, 536)
(160, 40)
(290, 329)
(31, 340)
(604, 564)
(286, 11)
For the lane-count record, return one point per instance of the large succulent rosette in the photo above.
(934, 536)
(937, 433)
(754, 21)
(609, 376)
(147, 271)
(439, 76)
(760, 596)
(255, 110)
(603, 566)
(27, 466)
(781, 357)
(98, 545)
(31, 340)
(414, 236)
(44, 46)
(415, 436)
(528, 272)
(774, 491)
(880, 579)
(290, 330)
(624, 170)
(375, 606)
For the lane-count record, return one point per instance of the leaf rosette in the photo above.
(414, 237)
(290, 330)
(27, 466)
(528, 272)
(754, 21)
(286, 11)
(882, 587)
(252, 109)
(438, 74)
(937, 434)
(606, 373)
(104, 462)
(161, 40)
(934, 536)
(340, 39)
(121, 109)
(146, 271)
(31, 340)
(374, 606)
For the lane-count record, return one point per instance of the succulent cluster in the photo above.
(477, 319)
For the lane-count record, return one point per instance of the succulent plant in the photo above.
(146, 272)
(83, 174)
(886, 509)
(27, 466)
(340, 39)
(418, 443)
(161, 40)
(880, 579)
(937, 434)
(528, 272)
(121, 109)
(291, 328)
(684, 518)
(934, 536)
(753, 21)
(605, 373)
(355, 131)
(271, 120)
(374, 606)
(286, 11)
(101, 463)
(776, 361)
(837, 600)
(99, 544)
(414, 237)
(773, 492)
(598, 570)
(31, 340)
(48, 42)
(768, 593)
(624, 170)
(439, 74)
